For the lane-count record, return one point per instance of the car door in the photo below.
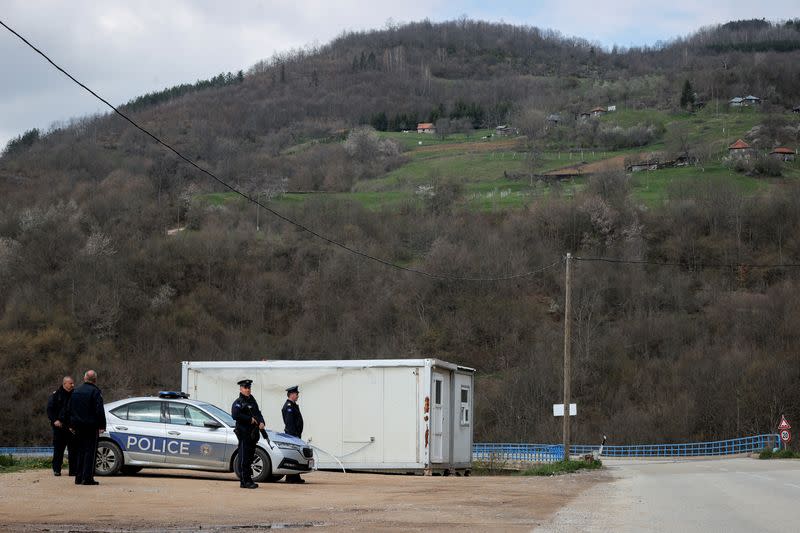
(140, 430)
(194, 437)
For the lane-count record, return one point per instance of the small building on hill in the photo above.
(751, 100)
(736, 101)
(426, 127)
(783, 153)
(796, 109)
(503, 130)
(597, 111)
(554, 119)
(740, 149)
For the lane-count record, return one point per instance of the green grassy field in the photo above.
(495, 172)
(653, 187)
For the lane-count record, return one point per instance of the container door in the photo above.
(439, 418)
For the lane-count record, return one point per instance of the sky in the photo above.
(123, 49)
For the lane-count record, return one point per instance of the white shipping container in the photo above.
(400, 415)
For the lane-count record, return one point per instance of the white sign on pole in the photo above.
(558, 409)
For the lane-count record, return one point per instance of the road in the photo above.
(182, 501)
(737, 494)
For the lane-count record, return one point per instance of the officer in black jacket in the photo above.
(249, 422)
(293, 423)
(87, 418)
(62, 438)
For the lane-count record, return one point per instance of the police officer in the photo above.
(87, 418)
(62, 437)
(248, 424)
(293, 423)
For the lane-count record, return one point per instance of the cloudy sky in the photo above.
(123, 49)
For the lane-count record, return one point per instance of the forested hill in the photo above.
(115, 255)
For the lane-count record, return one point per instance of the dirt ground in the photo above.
(172, 500)
(604, 165)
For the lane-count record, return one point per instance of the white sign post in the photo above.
(558, 409)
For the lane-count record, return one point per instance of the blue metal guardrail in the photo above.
(530, 453)
(30, 451)
(543, 453)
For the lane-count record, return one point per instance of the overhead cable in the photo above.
(686, 265)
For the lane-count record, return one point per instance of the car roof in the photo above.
(117, 403)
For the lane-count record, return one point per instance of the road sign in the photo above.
(786, 435)
(558, 409)
(784, 424)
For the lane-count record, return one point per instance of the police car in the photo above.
(172, 431)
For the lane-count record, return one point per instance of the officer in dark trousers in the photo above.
(87, 418)
(293, 423)
(249, 422)
(62, 437)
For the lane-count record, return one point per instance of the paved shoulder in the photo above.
(738, 494)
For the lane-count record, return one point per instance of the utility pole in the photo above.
(567, 351)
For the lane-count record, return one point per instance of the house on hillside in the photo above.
(584, 115)
(796, 109)
(783, 153)
(740, 149)
(751, 100)
(736, 101)
(502, 130)
(644, 164)
(426, 127)
(553, 119)
(597, 111)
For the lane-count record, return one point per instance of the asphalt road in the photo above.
(730, 495)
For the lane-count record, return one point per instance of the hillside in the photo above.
(89, 275)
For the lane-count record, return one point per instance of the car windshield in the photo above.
(219, 413)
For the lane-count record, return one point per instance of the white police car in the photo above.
(171, 431)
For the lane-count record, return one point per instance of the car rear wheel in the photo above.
(261, 467)
(108, 460)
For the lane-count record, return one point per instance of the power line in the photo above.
(686, 265)
(268, 209)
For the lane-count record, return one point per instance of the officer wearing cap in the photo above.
(293, 422)
(249, 422)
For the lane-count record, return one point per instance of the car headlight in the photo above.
(288, 446)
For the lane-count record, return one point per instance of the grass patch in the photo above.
(562, 467)
(767, 453)
(493, 467)
(652, 187)
(9, 463)
(412, 139)
(217, 198)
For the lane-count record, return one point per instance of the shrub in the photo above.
(767, 166)
(562, 467)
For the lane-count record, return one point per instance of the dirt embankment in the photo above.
(179, 500)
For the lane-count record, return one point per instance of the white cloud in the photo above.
(124, 49)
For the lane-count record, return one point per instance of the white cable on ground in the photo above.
(337, 458)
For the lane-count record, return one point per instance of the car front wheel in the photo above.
(108, 460)
(261, 467)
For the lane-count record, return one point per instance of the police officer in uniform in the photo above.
(62, 437)
(293, 423)
(249, 422)
(87, 418)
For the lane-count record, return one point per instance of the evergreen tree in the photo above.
(687, 95)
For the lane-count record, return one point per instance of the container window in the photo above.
(437, 394)
(465, 406)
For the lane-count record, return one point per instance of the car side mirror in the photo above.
(211, 424)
